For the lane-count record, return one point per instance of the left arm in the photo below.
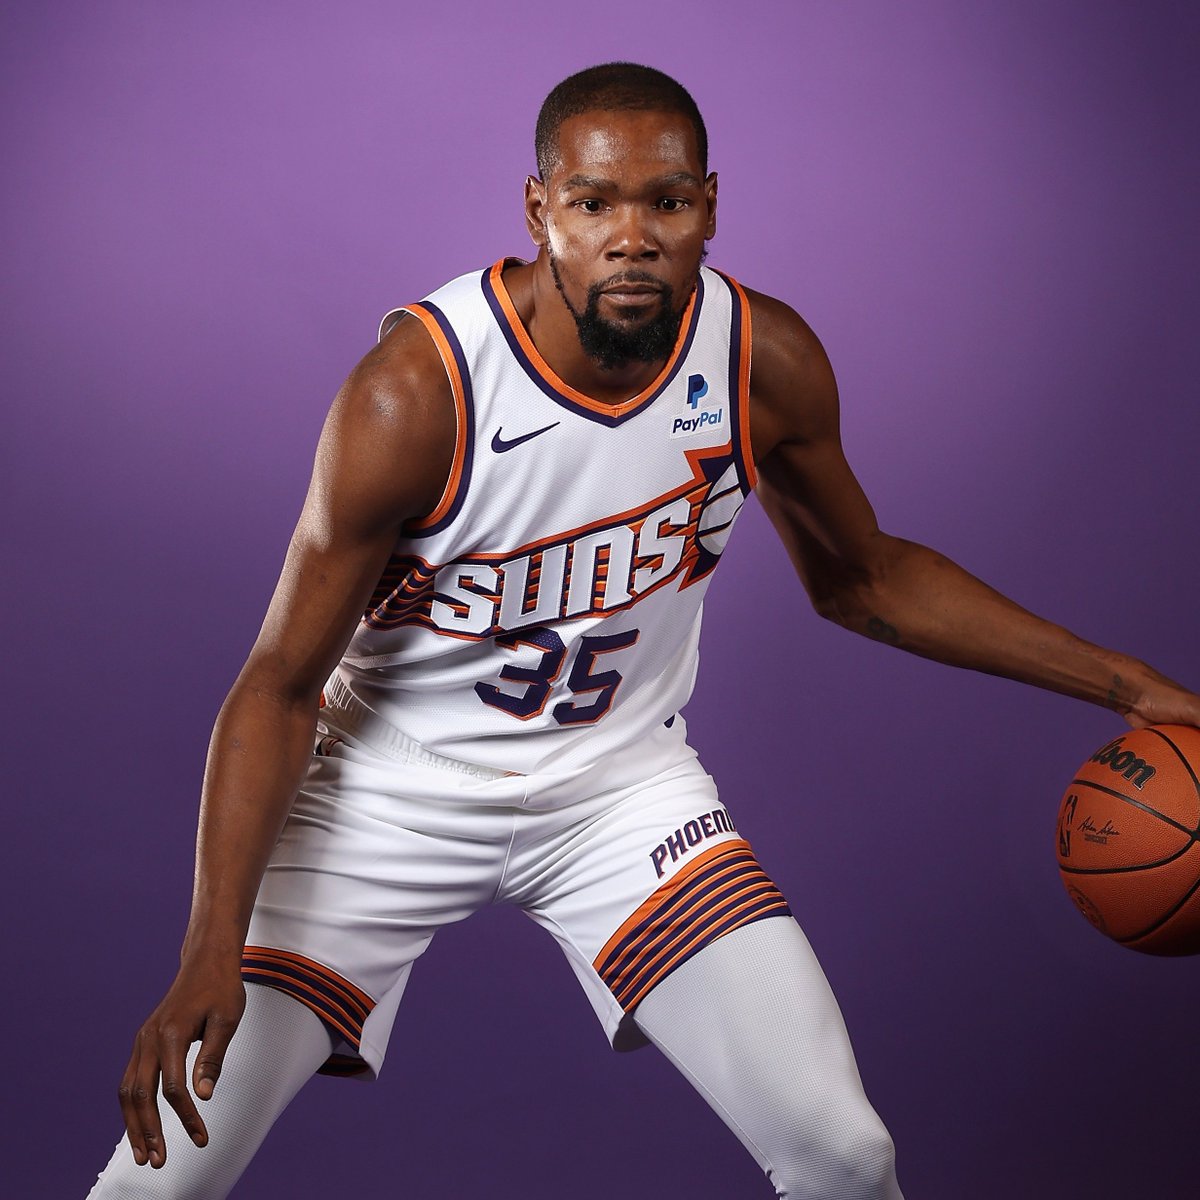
(894, 590)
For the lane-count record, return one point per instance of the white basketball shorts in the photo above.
(633, 867)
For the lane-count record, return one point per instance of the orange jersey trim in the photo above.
(679, 919)
(462, 416)
(743, 383)
(547, 373)
(762, 900)
(331, 996)
(312, 1000)
(661, 895)
(339, 982)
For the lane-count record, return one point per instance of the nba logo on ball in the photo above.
(1129, 840)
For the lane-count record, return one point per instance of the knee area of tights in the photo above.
(853, 1161)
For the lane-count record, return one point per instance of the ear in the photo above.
(710, 196)
(535, 209)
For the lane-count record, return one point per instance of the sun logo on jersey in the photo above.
(594, 570)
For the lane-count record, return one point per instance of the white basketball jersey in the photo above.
(547, 613)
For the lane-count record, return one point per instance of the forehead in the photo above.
(661, 142)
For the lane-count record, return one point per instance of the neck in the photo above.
(551, 326)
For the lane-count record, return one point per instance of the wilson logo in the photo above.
(1124, 762)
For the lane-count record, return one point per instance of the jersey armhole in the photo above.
(391, 319)
(453, 360)
(740, 339)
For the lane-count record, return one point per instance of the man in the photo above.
(487, 624)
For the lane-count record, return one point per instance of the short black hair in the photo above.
(611, 87)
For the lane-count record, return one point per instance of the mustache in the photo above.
(633, 276)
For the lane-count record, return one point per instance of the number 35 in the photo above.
(539, 681)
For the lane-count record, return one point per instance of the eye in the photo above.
(672, 204)
(590, 206)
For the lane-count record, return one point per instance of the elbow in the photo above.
(858, 607)
(269, 682)
(850, 592)
(842, 605)
(827, 606)
(846, 597)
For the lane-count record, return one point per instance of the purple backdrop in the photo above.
(987, 211)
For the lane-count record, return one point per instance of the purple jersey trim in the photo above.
(557, 396)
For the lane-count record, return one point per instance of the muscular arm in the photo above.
(894, 590)
(383, 458)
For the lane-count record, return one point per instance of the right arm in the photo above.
(383, 458)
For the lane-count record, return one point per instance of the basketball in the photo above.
(1128, 830)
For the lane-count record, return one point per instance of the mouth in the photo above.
(632, 294)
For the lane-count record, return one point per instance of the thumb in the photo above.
(218, 1033)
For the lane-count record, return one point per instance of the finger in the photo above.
(174, 1086)
(133, 1124)
(218, 1033)
(144, 1098)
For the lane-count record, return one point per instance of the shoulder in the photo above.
(793, 393)
(395, 410)
(399, 389)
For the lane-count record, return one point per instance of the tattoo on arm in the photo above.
(1111, 699)
(881, 631)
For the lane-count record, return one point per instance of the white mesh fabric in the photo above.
(278, 1046)
(753, 1025)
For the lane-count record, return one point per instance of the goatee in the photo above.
(613, 346)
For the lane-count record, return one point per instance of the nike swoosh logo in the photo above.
(500, 445)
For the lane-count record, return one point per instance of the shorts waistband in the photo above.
(359, 721)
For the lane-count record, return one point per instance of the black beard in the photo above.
(612, 346)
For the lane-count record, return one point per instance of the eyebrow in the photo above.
(589, 181)
(596, 183)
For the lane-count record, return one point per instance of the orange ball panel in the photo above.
(1097, 831)
(1145, 765)
(1129, 839)
(1124, 904)
(1179, 933)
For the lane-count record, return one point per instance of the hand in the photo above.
(202, 1005)
(1163, 702)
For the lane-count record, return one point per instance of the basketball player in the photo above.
(486, 625)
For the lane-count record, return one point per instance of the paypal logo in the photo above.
(711, 418)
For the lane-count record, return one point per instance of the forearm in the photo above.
(922, 602)
(260, 748)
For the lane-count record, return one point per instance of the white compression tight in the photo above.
(276, 1050)
(752, 1024)
(750, 1021)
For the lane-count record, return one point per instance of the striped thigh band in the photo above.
(338, 1003)
(722, 890)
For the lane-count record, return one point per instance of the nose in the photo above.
(632, 235)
